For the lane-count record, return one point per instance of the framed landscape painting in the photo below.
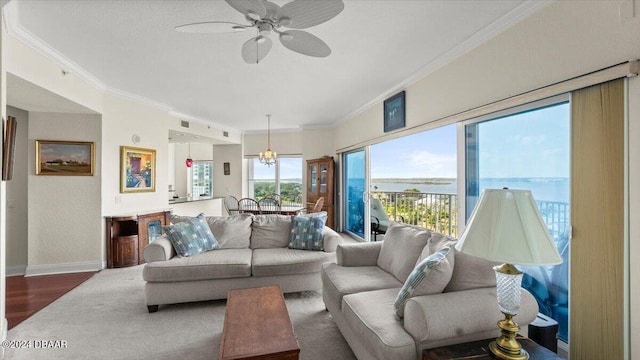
(65, 158)
(137, 169)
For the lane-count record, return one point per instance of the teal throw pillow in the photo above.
(306, 231)
(430, 276)
(185, 238)
(209, 241)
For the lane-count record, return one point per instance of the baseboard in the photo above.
(563, 349)
(34, 270)
(16, 270)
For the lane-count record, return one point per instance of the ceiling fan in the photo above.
(267, 17)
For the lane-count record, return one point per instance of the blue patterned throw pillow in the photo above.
(306, 231)
(209, 241)
(185, 238)
(430, 276)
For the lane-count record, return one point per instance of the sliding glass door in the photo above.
(355, 199)
(529, 149)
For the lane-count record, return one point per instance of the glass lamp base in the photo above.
(508, 279)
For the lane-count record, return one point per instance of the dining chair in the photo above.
(269, 204)
(249, 205)
(275, 197)
(231, 205)
(318, 206)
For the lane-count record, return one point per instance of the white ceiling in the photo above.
(378, 47)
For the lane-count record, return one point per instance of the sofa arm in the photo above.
(358, 254)
(331, 239)
(459, 313)
(159, 249)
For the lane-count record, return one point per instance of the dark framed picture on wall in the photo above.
(137, 169)
(394, 112)
(227, 168)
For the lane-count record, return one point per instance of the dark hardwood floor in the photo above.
(28, 295)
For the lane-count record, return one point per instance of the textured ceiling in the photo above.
(131, 47)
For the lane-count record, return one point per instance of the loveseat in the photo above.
(252, 251)
(455, 302)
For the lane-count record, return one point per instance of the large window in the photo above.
(284, 178)
(529, 150)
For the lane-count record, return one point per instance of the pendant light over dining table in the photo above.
(269, 157)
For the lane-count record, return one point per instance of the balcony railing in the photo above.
(438, 212)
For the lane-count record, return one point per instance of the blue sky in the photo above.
(427, 154)
(290, 168)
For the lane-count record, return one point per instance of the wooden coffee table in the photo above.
(257, 326)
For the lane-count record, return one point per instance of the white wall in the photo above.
(283, 143)
(231, 184)
(17, 201)
(64, 211)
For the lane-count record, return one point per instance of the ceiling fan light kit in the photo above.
(268, 17)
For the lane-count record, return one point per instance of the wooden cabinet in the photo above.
(320, 183)
(128, 235)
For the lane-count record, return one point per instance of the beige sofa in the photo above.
(361, 288)
(253, 252)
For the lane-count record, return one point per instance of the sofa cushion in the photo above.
(283, 261)
(339, 281)
(270, 231)
(401, 247)
(185, 238)
(471, 272)
(430, 276)
(306, 231)
(371, 317)
(232, 232)
(218, 264)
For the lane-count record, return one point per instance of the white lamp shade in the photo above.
(506, 226)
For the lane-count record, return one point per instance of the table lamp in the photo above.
(507, 227)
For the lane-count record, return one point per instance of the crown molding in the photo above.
(512, 17)
(20, 33)
(273, 131)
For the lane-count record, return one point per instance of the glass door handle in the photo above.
(365, 197)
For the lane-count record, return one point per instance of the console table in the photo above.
(127, 235)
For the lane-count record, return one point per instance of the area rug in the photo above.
(106, 318)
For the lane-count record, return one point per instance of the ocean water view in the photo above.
(543, 189)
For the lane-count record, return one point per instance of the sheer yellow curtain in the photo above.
(597, 217)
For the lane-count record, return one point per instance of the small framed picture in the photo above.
(394, 112)
(65, 158)
(137, 170)
(227, 168)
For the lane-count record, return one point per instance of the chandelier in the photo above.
(269, 157)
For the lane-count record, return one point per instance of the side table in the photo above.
(477, 350)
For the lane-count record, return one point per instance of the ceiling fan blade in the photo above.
(255, 49)
(304, 43)
(253, 9)
(272, 9)
(210, 27)
(303, 14)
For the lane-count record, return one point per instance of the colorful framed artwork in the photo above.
(394, 112)
(65, 158)
(137, 169)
